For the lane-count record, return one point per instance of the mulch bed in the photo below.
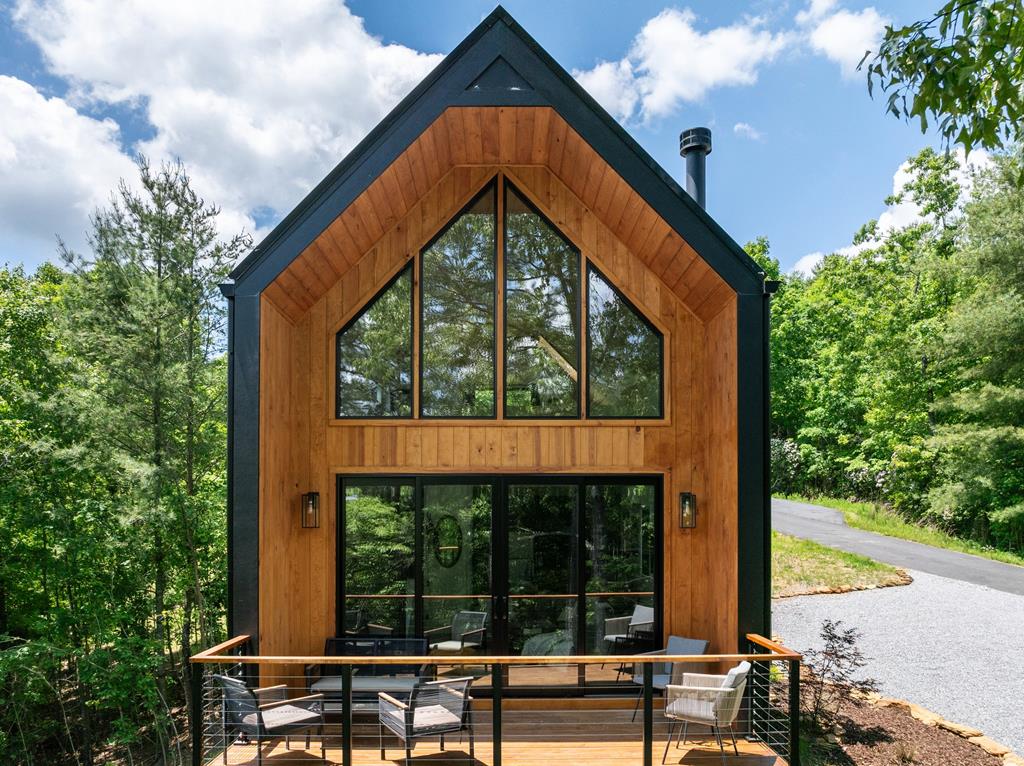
(890, 736)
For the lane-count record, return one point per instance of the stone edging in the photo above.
(903, 578)
(972, 735)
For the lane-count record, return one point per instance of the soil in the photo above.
(890, 736)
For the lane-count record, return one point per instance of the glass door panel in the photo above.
(543, 575)
(379, 558)
(457, 567)
(620, 549)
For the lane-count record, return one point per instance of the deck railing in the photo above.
(767, 724)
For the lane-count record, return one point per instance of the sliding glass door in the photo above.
(551, 565)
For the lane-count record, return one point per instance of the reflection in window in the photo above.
(624, 355)
(374, 356)
(457, 328)
(542, 281)
(379, 558)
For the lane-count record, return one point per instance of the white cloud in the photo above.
(805, 266)
(841, 35)
(900, 215)
(259, 100)
(56, 167)
(671, 62)
(746, 130)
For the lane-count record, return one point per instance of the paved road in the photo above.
(827, 527)
(951, 646)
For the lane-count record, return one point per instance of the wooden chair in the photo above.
(435, 708)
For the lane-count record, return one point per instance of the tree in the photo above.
(147, 326)
(962, 69)
(980, 442)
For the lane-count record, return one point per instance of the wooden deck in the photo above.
(534, 733)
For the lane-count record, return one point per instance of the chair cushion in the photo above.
(389, 684)
(284, 717)
(736, 675)
(448, 647)
(428, 718)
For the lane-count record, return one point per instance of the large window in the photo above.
(553, 304)
(542, 315)
(374, 356)
(624, 355)
(458, 376)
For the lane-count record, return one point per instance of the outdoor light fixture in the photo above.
(310, 510)
(687, 510)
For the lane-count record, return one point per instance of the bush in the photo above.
(829, 677)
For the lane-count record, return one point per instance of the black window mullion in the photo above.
(581, 579)
(417, 610)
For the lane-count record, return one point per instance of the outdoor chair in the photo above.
(711, 700)
(623, 627)
(467, 631)
(665, 673)
(436, 708)
(262, 714)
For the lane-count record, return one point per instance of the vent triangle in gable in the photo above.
(500, 75)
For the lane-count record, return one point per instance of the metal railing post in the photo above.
(794, 713)
(346, 715)
(648, 714)
(196, 694)
(497, 687)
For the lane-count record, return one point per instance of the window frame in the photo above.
(407, 268)
(491, 185)
(500, 182)
(592, 267)
(582, 326)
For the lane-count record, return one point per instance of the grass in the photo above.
(875, 518)
(803, 566)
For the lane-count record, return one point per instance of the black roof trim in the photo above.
(447, 86)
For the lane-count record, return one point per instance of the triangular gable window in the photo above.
(624, 355)
(536, 299)
(374, 356)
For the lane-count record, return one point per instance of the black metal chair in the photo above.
(246, 715)
(467, 631)
(435, 708)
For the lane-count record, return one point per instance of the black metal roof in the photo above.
(498, 64)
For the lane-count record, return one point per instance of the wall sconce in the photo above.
(310, 510)
(687, 510)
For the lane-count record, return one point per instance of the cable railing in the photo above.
(357, 710)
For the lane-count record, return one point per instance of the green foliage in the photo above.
(961, 69)
(112, 391)
(896, 368)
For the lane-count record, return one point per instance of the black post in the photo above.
(346, 715)
(794, 713)
(196, 694)
(497, 687)
(648, 714)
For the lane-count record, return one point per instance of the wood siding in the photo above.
(303, 447)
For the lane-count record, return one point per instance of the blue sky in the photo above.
(261, 99)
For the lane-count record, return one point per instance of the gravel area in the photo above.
(950, 646)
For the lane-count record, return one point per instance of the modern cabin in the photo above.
(501, 384)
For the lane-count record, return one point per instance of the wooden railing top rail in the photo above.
(214, 655)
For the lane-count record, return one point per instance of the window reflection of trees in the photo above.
(458, 296)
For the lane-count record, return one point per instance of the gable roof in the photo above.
(497, 64)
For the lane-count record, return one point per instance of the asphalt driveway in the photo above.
(826, 526)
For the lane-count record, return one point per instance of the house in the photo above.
(498, 367)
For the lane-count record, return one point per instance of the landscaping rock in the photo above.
(990, 746)
(1012, 759)
(958, 728)
(924, 715)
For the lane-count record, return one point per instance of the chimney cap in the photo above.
(695, 139)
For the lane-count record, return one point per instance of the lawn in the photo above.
(875, 518)
(803, 566)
